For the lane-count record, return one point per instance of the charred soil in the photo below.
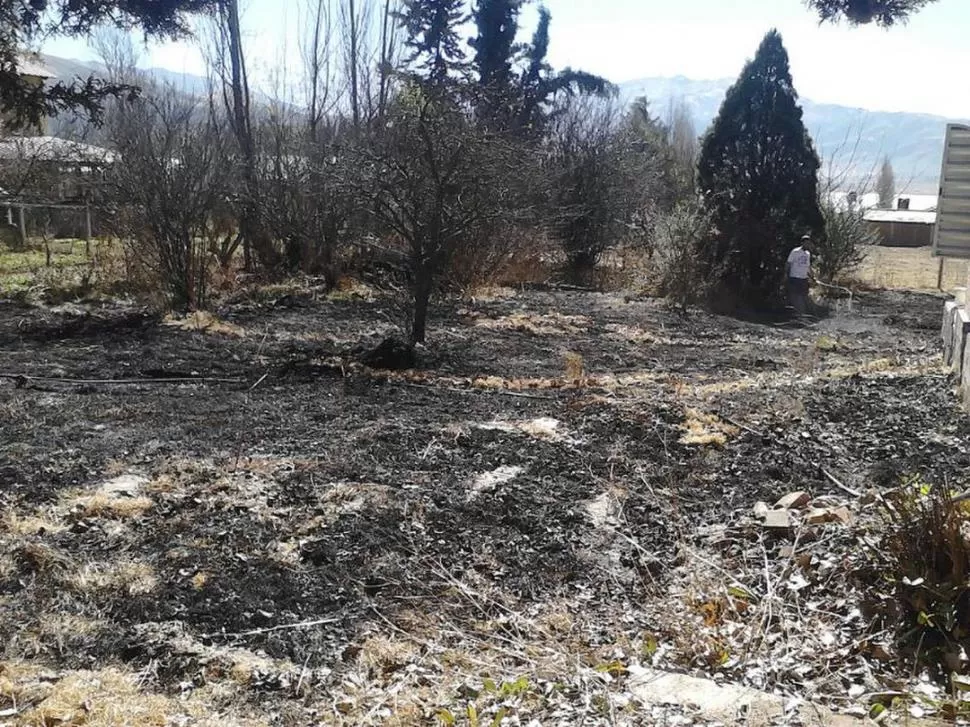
(259, 529)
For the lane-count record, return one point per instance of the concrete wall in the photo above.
(956, 344)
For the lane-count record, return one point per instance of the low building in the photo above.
(903, 228)
(31, 68)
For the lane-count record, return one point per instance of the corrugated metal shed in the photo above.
(953, 229)
(917, 217)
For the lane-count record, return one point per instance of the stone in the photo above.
(778, 519)
(794, 501)
(727, 703)
(822, 515)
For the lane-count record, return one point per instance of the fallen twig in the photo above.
(835, 481)
(269, 629)
(455, 389)
(739, 425)
(23, 380)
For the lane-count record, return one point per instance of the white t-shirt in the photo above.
(799, 263)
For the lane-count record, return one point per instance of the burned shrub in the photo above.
(918, 576)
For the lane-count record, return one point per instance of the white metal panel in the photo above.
(952, 237)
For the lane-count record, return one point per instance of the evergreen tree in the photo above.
(24, 103)
(758, 174)
(886, 184)
(432, 36)
(539, 84)
(497, 22)
(859, 12)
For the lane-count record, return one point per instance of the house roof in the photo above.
(30, 64)
(914, 217)
(52, 149)
(870, 200)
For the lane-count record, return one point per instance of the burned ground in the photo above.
(564, 483)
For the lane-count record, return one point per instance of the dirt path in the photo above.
(561, 489)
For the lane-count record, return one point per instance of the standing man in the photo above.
(799, 270)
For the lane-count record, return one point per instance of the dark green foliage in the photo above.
(431, 27)
(758, 174)
(882, 12)
(517, 84)
(497, 22)
(21, 22)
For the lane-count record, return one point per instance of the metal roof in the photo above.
(870, 201)
(953, 233)
(913, 217)
(52, 149)
(30, 64)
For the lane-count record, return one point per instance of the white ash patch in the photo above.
(602, 510)
(544, 428)
(129, 485)
(486, 481)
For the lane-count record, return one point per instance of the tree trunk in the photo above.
(422, 297)
(249, 221)
(354, 41)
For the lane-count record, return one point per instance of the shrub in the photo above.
(678, 237)
(841, 250)
(919, 571)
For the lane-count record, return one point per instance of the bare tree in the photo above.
(171, 175)
(682, 140)
(227, 59)
(370, 55)
(317, 54)
(308, 188)
(886, 184)
(604, 168)
(434, 181)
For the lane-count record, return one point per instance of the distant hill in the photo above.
(847, 138)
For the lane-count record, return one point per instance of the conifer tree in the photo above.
(886, 184)
(23, 102)
(758, 174)
(860, 12)
(431, 27)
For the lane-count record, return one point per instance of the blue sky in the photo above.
(908, 68)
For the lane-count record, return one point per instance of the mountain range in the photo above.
(851, 141)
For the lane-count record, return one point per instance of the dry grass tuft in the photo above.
(43, 558)
(490, 293)
(701, 429)
(205, 322)
(102, 504)
(550, 324)
(351, 289)
(127, 576)
(382, 654)
(37, 524)
(107, 698)
(575, 368)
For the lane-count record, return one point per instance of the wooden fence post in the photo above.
(23, 225)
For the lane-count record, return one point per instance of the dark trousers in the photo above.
(798, 294)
